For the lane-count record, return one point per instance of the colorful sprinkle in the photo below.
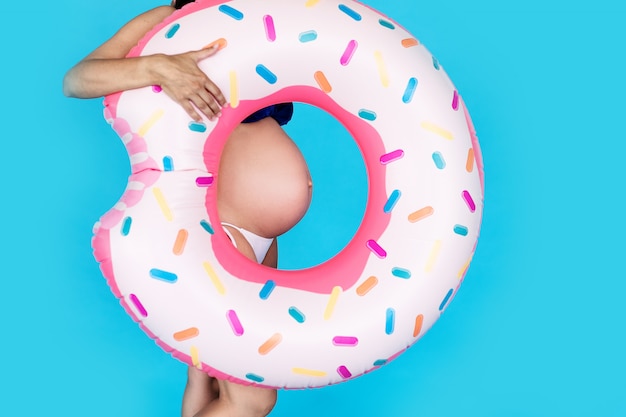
(350, 12)
(438, 130)
(266, 74)
(386, 24)
(409, 42)
(160, 198)
(234, 322)
(221, 44)
(207, 226)
(391, 156)
(180, 242)
(157, 88)
(186, 334)
(172, 31)
(464, 268)
(439, 161)
(446, 299)
(409, 91)
(349, 341)
(467, 197)
(150, 122)
(401, 273)
(367, 115)
(234, 89)
(382, 69)
(344, 372)
(297, 314)
(204, 181)
(421, 214)
(255, 377)
(390, 320)
(332, 302)
(168, 164)
(308, 36)
(367, 286)
(380, 362)
(214, 278)
(436, 63)
(126, 224)
(311, 3)
(140, 308)
(419, 322)
(270, 344)
(455, 100)
(308, 372)
(197, 127)
(322, 81)
(195, 357)
(162, 275)
(270, 30)
(376, 249)
(469, 163)
(460, 230)
(391, 201)
(348, 53)
(267, 290)
(434, 254)
(231, 12)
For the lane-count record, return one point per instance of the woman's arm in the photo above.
(106, 70)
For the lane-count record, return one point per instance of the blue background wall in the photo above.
(538, 326)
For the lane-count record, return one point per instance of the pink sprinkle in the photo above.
(234, 322)
(157, 88)
(375, 247)
(469, 200)
(455, 101)
(345, 341)
(391, 156)
(204, 181)
(347, 54)
(270, 30)
(343, 372)
(138, 305)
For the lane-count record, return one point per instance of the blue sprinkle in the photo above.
(436, 63)
(380, 362)
(297, 314)
(255, 377)
(267, 290)
(128, 221)
(390, 321)
(446, 299)
(168, 163)
(308, 36)
(401, 273)
(410, 90)
(197, 127)
(229, 11)
(392, 200)
(266, 74)
(386, 24)
(350, 12)
(460, 230)
(170, 33)
(163, 275)
(367, 115)
(207, 226)
(438, 160)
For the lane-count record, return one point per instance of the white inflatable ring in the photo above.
(176, 272)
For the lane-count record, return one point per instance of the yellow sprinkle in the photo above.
(438, 130)
(434, 254)
(234, 89)
(151, 121)
(214, 278)
(158, 194)
(311, 3)
(382, 69)
(309, 372)
(332, 301)
(195, 357)
(463, 270)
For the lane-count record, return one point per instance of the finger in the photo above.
(215, 91)
(191, 111)
(205, 104)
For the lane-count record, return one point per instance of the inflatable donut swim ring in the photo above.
(175, 271)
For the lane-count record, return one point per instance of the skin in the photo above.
(264, 183)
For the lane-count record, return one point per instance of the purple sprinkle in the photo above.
(469, 201)
(138, 305)
(345, 341)
(344, 372)
(375, 247)
(204, 181)
(391, 156)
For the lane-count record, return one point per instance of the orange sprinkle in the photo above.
(367, 285)
(189, 333)
(408, 42)
(221, 44)
(469, 165)
(419, 321)
(270, 344)
(322, 81)
(181, 240)
(421, 214)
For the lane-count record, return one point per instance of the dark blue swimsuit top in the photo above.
(280, 112)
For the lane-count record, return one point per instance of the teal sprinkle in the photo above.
(445, 300)
(308, 36)
(168, 163)
(207, 226)
(380, 362)
(367, 115)
(438, 160)
(387, 24)
(163, 275)
(401, 273)
(436, 63)
(392, 200)
(460, 230)
(390, 321)
(230, 11)
(410, 90)
(172, 31)
(266, 74)
(255, 377)
(197, 127)
(350, 12)
(297, 314)
(267, 290)
(128, 221)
